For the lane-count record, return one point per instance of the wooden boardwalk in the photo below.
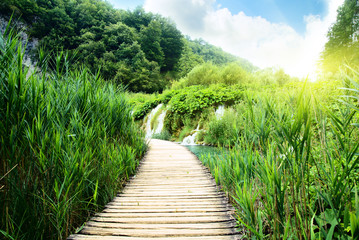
(172, 196)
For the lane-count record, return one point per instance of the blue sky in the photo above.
(126, 4)
(278, 11)
(288, 34)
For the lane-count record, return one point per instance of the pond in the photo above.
(199, 150)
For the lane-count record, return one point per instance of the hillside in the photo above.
(140, 50)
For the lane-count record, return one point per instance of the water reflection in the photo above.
(199, 150)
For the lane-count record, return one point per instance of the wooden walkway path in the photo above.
(172, 196)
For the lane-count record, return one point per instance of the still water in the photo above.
(199, 150)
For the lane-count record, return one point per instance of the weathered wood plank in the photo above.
(97, 237)
(221, 225)
(156, 232)
(168, 210)
(154, 195)
(166, 220)
(162, 204)
(159, 215)
(192, 206)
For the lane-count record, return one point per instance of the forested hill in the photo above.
(142, 50)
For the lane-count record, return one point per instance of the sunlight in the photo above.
(307, 68)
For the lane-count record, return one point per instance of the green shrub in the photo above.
(221, 131)
(164, 135)
(208, 74)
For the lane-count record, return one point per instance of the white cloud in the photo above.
(264, 43)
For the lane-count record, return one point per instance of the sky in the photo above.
(288, 34)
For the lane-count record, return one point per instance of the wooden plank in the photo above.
(177, 195)
(220, 225)
(205, 201)
(98, 237)
(157, 210)
(157, 232)
(169, 187)
(203, 189)
(159, 215)
(165, 220)
(161, 182)
(162, 193)
(192, 206)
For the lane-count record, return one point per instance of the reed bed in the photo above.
(293, 166)
(68, 143)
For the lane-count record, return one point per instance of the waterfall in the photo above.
(220, 112)
(160, 119)
(191, 139)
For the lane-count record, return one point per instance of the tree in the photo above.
(342, 46)
(137, 18)
(171, 43)
(188, 60)
(116, 34)
(150, 40)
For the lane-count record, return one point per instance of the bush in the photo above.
(208, 74)
(164, 135)
(221, 131)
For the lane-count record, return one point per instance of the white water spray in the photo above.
(149, 131)
(160, 120)
(220, 112)
(191, 139)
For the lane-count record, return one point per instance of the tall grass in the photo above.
(68, 143)
(293, 171)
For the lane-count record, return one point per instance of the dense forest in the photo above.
(140, 50)
(72, 131)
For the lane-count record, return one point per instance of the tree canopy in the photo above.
(342, 46)
(131, 47)
(141, 50)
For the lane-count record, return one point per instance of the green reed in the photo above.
(293, 171)
(67, 144)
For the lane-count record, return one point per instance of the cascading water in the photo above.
(160, 119)
(191, 139)
(220, 112)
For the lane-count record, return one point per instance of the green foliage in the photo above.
(145, 108)
(68, 143)
(131, 48)
(292, 169)
(207, 74)
(193, 99)
(342, 46)
(216, 55)
(221, 129)
(151, 42)
(188, 61)
(164, 135)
